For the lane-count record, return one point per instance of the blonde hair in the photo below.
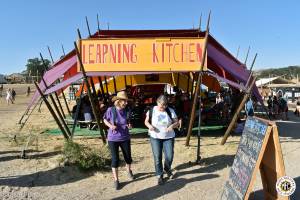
(117, 102)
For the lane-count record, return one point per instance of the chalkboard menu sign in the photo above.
(245, 160)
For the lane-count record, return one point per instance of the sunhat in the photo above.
(120, 96)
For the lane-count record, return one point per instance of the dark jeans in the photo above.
(159, 145)
(114, 149)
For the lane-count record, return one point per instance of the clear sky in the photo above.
(270, 27)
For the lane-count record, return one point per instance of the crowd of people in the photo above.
(10, 96)
(277, 106)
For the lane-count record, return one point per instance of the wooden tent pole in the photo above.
(247, 55)
(88, 27)
(106, 86)
(98, 25)
(236, 114)
(101, 87)
(62, 91)
(77, 111)
(188, 85)
(53, 101)
(200, 20)
(192, 118)
(125, 81)
(198, 158)
(115, 85)
(238, 51)
(91, 78)
(63, 50)
(193, 88)
(94, 108)
(52, 112)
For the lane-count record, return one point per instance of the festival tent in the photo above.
(220, 62)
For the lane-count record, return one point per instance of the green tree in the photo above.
(36, 67)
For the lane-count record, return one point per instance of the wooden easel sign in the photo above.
(259, 148)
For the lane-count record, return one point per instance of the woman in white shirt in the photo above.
(161, 120)
(9, 96)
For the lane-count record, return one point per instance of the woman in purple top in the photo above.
(118, 135)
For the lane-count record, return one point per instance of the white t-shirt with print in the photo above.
(161, 121)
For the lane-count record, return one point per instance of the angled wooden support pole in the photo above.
(63, 50)
(87, 25)
(98, 25)
(54, 103)
(197, 90)
(62, 92)
(94, 108)
(247, 55)
(101, 87)
(236, 114)
(52, 112)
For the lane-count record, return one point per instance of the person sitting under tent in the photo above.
(87, 109)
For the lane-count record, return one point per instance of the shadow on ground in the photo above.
(56, 176)
(170, 186)
(207, 165)
(36, 155)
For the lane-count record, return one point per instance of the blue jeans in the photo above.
(158, 146)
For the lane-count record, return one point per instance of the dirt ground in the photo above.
(41, 176)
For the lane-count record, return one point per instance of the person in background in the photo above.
(298, 107)
(283, 106)
(1, 90)
(13, 94)
(249, 108)
(9, 96)
(275, 106)
(161, 121)
(28, 91)
(115, 118)
(270, 106)
(87, 109)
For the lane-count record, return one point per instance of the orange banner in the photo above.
(147, 54)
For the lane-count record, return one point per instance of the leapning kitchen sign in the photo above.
(146, 54)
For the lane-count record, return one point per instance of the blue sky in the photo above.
(271, 28)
